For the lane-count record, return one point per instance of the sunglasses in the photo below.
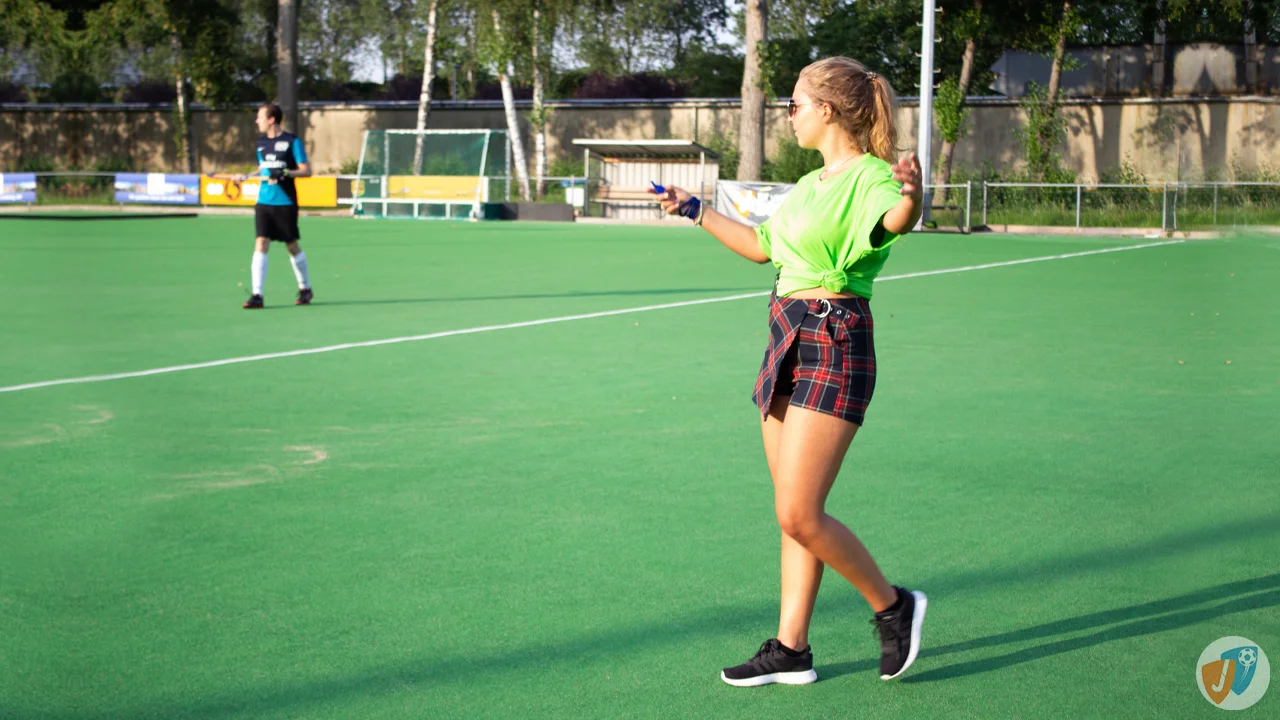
(793, 107)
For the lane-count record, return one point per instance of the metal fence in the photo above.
(1164, 206)
(1167, 206)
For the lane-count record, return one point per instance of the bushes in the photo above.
(726, 146)
(791, 162)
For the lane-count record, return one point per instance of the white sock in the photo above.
(300, 269)
(258, 271)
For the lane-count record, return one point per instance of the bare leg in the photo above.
(801, 570)
(810, 449)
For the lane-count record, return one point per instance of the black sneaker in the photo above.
(304, 297)
(253, 303)
(900, 633)
(772, 664)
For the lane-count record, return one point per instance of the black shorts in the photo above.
(277, 222)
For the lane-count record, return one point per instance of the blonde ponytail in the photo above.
(864, 103)
(883, 134)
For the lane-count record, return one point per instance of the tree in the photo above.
(883, 35)
(32, 33)
(287, 63)
(502, 50)
(194, 33)
(428, 75)
(949, 102)
(330, 35)
(686, 23)
(751, 126)
(1045, 127)
(538, 117)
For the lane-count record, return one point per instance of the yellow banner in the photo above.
(433, 187)
(312, 191)
(317, 192)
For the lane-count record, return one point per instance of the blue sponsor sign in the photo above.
(158, 188)
(17, 187)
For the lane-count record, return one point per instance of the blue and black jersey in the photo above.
(280, 152)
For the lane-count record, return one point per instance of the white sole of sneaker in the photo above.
(917, 621)
(782, 678)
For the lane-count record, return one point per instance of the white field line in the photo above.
(528, 323)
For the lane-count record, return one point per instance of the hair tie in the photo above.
(871, 76)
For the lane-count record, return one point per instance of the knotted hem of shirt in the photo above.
(835, 281)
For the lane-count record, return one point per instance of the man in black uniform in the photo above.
(281, 158)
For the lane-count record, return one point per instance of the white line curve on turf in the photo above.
(532, 323)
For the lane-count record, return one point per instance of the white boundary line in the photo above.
(530, 323)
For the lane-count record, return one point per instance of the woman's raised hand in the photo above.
(907, 171)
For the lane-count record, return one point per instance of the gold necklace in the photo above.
(826, 171)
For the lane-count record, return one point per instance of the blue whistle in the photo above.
(690, 207)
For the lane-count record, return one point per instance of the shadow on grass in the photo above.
(1134, 621)
(1110, 625)
(626, 639)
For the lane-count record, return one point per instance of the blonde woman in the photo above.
(829, 239)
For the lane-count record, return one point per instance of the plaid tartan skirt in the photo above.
(821, 353)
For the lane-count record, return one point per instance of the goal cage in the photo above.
(429, 174)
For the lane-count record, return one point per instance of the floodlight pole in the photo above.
(924, 148)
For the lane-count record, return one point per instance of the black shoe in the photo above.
(772, 664)
(900, 633)
(253, 303)
(304, 297)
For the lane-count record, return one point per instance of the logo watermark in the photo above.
(1233, 673)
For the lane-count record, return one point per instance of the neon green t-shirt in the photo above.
(821, 235)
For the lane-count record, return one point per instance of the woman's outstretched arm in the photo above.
(731, 233)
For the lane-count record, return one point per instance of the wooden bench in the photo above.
(619, 193)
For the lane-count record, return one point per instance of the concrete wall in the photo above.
(1165, 139)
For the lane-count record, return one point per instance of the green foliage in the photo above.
(883, 35)
(949, 110)
(32, 33)
(33, 163)
(76, 49)
(539, 116)
(1125, 174)
(791, 162)
(781, 61)
(1044, 131)
(565, 167)
(349, 166)
(114, 164)
(563, 85)
(1263, 173)
(726, 146)
(710, 71)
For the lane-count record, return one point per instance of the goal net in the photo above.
(440, 174)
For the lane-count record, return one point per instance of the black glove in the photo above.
(279, 174)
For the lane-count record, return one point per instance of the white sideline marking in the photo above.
(531, 323)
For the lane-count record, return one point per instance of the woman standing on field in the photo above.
(829, 240)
